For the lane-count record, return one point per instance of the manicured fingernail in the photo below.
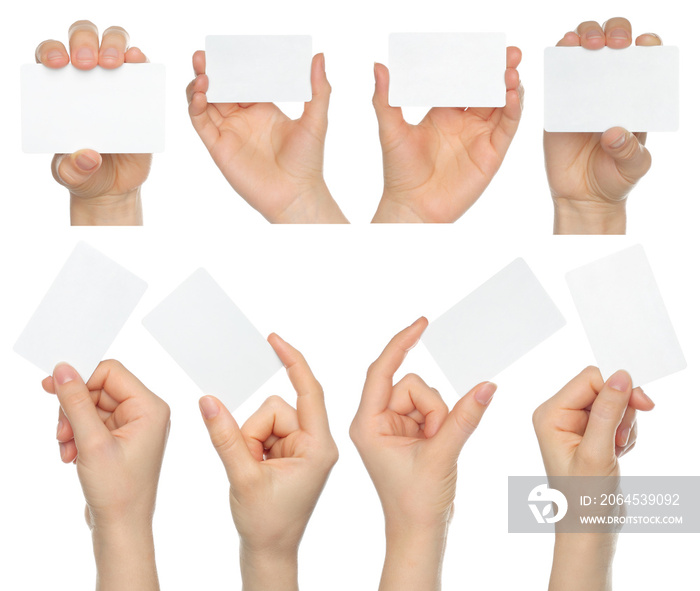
(594, 34)
(620, 381)
(85, 162)
(54, 55)
(110, 53)
(624, 436)
(64, 374)
(59, 428)
(209, 407)
(84, 54)
(619, 34)
(619, 141)
(485, 393)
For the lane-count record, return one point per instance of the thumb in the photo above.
(464, 418)
(226, 436)
(74, 170)
(631, 157)
(388, 117)
(77, 404)
(606, 415)
(316, 110)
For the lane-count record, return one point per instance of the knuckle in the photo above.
(274, 401)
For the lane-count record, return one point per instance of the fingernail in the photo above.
(594, 34)
(375, 71)
(323, 62)
(208, 407)
(85, 162)
(64, 373)
(651, 35)
(619, 141)
(624, 436)
(110, 53)
(59, 428)
(619, 34)
(62, 450)
(485, 393)
(84, 54)
(620, 381)
(54, 55)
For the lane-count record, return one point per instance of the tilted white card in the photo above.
(110, 111)
(492, 327)
(80, 316)
(212, 340)
(258, 68)
(447, 69)
(624, 317)
(593, 90)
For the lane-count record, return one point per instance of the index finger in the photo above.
(311, 408)
(380, 375)
(117, 381)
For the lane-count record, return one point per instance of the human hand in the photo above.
(589, 424)
(436, 170)
(115, 430)
(591, 174)
(582, 431)
(277, 465)
(410, 443)
(273, 162)
(105, 189)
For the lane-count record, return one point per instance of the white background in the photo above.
(338, 294)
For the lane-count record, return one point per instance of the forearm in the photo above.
(582, 217)
(262, 570)
(125, 560)
(583, 562)
(413, 559)
(315, 206)
(107, 210)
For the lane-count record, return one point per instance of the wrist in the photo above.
(107, 210)
(314, 205)
(414, 557)
(269, 568)
(585, 217)
(125, 558)
(392, 211)
(583, 561)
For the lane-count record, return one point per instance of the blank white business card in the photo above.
(593, 90)
(258, 68)
(80, 316)
(212, 340)
(447, 69)
(492, 327)
(625, 318)
(110, 111)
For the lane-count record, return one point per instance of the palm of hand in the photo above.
(268, 158)
(441, 166)
(578, 169)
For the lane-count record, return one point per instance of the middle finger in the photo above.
(84, 45)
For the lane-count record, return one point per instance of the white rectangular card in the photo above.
(492, 327)
(447, 69)
(625, 318)
(636, 88)
(212, 340)
(111, 111)
(80, 316)
(258, 68)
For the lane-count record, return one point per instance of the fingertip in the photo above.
(648, 40)
(571, 39)
(641, 401)
(484, 392)
(614, 138)
(620, 381)
(209, 407)
(513, 56)
(135, 56)
(48, 385)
